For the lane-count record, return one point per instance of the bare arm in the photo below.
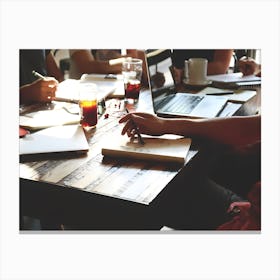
(234, 131)
(86, 63)
(220, 63)
(52, 68)
(41, 90)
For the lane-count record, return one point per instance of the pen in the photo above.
(220, 93)
(38, 75)
(140, 139)
(117, 61)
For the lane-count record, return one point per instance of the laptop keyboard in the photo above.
(182, 104)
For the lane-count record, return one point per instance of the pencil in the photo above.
(140, 139)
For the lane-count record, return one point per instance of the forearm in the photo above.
(53, 69)
(86, 63)
(220, 63)
(235, 131)
(216, 68)
(99, 67)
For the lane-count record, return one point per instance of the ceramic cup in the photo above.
(196, 71)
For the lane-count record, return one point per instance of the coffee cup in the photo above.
(196, 71)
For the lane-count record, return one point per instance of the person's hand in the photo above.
(41, 90)
(146, 123)
(248, 66)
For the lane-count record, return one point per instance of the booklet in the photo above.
(161, 149)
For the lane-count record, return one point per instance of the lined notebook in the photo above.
(170, 150)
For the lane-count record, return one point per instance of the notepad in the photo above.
(169, 150)
(58, 139)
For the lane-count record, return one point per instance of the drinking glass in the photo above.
(88, 105)
(132, 74)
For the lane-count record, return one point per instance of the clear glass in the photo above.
(132, 75)
(88, 104)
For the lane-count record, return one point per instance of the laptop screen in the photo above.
(159, 65)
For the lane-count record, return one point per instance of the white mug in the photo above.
(196, 70)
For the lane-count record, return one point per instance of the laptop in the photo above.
(167, 102)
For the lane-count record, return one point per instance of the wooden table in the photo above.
(92, 192)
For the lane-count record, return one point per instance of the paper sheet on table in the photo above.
(69, 89)
(59, 115)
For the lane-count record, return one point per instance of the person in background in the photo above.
(225, 193)
(248, 66)
(32, 88)
(101, 61)
(218, 61)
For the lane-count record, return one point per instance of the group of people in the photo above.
(206, 198)
(100, 61)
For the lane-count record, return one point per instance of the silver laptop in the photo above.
(168, 102)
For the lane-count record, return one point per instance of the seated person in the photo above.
(200, 202)
(218, 61)
(34, 89)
